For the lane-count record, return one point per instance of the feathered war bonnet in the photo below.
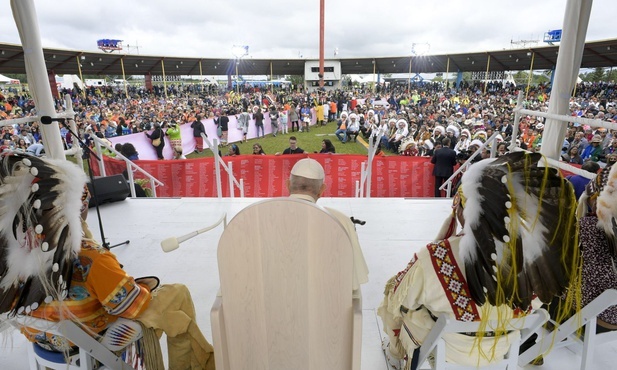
(40, 229)
(520, 232)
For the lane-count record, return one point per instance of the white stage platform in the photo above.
(395, 228)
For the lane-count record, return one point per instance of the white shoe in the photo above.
(392, 362)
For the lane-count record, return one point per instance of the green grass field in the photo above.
(309, 141)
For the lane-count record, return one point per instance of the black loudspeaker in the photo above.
(109, 189)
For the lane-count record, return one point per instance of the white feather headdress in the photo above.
(40, 229)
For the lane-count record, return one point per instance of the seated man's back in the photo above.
(518, 221)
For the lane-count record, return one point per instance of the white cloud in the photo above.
(285, 29)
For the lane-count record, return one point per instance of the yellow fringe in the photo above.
(571, 259)
(152, 354)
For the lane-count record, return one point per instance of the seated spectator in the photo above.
(128, 150)
(293, 147)
(233, 150)
(178, 152)
(579, 141)
(502, 149)
(35, 149)
(258, 150)
(580, 182)
(5, 145)
(342, 127)
(611, 149)
(327, 146)
(353, 128)
(572, 156)
(593, 151)
(401, 132)
(22, 145)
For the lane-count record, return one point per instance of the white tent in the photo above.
(365, 79)
(67, 81)
(8, 80)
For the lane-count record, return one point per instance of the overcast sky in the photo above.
(288, 29)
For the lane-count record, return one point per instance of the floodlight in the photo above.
(240, 51)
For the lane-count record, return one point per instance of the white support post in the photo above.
(217, 163)
(129, 171)
(153, 187)
(576, 20)
(373, 142)
(230, 177)
(362, 178)
(27, 23)
(517, 120)
(99, 153)
(70, 115)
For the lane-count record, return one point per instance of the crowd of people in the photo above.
(411, 123)
(427, 121)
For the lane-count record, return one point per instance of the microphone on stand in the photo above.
(47, 120)
(173, 242)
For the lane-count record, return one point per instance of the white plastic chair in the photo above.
(565, 335)
(435, 346)
(118, 336)
(286, 301)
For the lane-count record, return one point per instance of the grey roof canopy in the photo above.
(596, 54)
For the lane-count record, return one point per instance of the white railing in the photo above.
(363, 186)
(218, 162)
(519, 111)
(130, 167)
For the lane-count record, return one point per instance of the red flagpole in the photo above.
(321, 40)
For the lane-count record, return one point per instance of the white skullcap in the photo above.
(308, 168)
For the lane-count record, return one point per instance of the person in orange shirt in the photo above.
(529, 137)
(332, 113)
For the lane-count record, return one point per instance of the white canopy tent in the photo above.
(8, 80)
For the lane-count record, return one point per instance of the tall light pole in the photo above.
(239, 51)
(417, 49)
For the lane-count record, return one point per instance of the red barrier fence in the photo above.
(265, 175)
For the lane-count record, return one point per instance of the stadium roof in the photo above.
(596, 54)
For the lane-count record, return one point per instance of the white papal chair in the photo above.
(434, 345)
(285, 300)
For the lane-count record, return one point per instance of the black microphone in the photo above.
(47, 120)
(356, 221)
